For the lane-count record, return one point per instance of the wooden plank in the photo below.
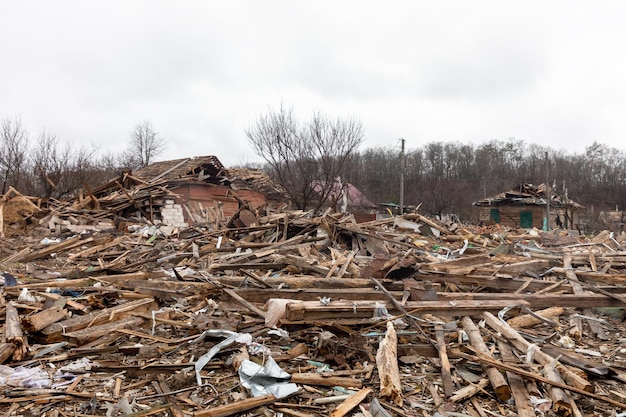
(55, 248)
(387, 364)
(38, 321)
(351, 402)
(244, 302)
(310, 310)
(80, 337)
(331, 381)
(236, 407)
(446, 373)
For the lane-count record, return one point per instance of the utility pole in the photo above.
(402, 176)
(547, 193)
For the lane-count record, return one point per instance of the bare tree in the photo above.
(306, 159)
(60, 170)
(13, 152)
(144, 145)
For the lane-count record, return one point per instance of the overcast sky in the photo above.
(546, 72)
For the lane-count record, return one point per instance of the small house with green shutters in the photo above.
(526, 206)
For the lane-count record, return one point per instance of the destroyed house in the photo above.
(527, 206)
(191, 190)
(345, 197)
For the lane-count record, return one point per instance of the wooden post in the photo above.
(387, 364)
(351, 402)
(13, 332)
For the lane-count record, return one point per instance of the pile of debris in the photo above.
(286, 313)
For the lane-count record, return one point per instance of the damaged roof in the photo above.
(527, 194)
(198, 166)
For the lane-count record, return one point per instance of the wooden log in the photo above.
(351, 402)
(535, 377)
(575, 359)
(236, 407)
(523, 345)
(99, 245)
(317, 379)
(446, 374)
(518, 387)
(560, 400)
(13, 332)
(38, 321)
(387, 364)
(498, 383)
(527, 320)
(574, 379)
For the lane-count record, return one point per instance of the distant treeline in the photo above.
(48, 167)
(440, 177)
(447, 177)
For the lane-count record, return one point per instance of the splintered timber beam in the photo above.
(387, 364)
(446, 372)
(351, 402)
(54, 331)
(13, 332)
(38, 321)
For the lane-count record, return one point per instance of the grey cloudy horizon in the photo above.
(550, 73)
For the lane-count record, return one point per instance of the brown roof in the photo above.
(193, 167)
